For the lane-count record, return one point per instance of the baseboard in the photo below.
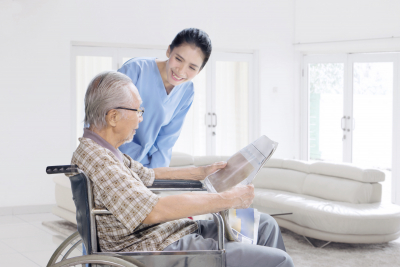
(15, 210)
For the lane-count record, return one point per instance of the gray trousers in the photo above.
(269, 251)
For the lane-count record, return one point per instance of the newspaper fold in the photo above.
(241, 168)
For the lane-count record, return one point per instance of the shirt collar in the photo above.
(99, 140)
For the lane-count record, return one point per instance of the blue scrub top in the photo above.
(163, 117)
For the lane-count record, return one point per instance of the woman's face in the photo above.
(184, 63)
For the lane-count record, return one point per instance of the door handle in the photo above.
(216, 120)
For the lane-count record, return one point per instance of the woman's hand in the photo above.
(209, 169)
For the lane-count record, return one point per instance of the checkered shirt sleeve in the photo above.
(145, 174)
(128, 199)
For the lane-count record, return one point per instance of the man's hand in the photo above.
(241, 195)
(209, 169)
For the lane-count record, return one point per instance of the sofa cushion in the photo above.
(274, 163)
(331, 216)
(347, 171)
(339, 189)
(179, 159)
(280, 179)
(296, 165)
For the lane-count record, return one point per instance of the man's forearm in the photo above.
(182, 206)
(190, 173)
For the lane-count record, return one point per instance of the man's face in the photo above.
(130, 122)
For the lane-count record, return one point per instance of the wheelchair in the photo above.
(87, 234)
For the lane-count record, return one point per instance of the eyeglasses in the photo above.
(139, 111)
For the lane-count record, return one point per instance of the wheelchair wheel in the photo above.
(70, 247)
(95, 260)
(69, 253)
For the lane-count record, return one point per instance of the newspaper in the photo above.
(244, 224)
(242, 168)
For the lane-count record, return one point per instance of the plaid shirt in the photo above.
(121, 188)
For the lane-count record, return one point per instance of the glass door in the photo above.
(218, 122)
(352, 112)
(372, 123)
(231, 97)
(325, 107)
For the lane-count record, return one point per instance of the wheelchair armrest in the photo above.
(158, 185)
(62, 169)
(176, 185)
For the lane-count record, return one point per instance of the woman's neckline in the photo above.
(159, 72)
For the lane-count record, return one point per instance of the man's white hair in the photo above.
(107, 90)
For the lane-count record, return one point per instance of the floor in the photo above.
(25, 242)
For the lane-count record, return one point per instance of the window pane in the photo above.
(86, 68)
(372, 109)
(325, 89)
(232, 87)
(192, 139)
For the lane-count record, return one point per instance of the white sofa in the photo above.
(332, 202)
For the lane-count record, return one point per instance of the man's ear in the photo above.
(112, 117)
(168, 51)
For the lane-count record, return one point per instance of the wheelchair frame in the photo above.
(143, 258)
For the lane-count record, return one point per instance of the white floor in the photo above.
(25, 242)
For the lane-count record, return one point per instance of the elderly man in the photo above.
(141, 220)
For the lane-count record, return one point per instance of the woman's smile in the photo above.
(176, 77)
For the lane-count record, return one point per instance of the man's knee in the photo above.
(267, 220)
(279, 259)
(286, 261)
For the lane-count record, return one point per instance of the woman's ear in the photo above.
(112, 118)
(168, 51)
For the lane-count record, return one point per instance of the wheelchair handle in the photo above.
(62, 169)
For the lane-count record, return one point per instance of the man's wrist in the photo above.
(226, 200)
(203, 172)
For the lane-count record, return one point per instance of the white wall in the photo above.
(35, 48)
(322, 21)
(347, 26)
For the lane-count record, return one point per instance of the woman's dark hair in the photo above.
(194, 36)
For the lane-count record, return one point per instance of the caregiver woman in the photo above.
(167, 93)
